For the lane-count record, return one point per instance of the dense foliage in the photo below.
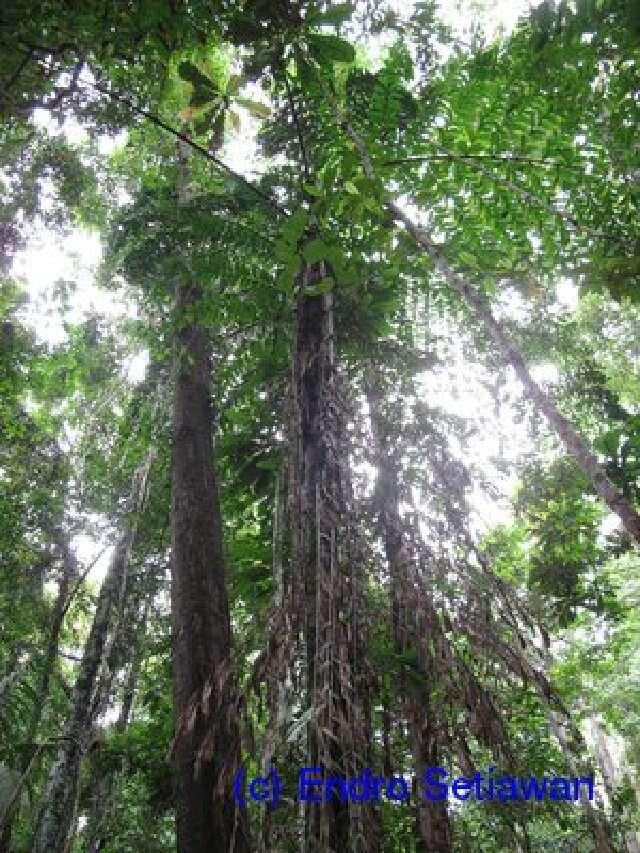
(407, 323)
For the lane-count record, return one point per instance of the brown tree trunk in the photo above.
(69, 572)
(206, 819)
(613, 773)
(434, 829)
(325, 578)
(103, 785)
(328, 824)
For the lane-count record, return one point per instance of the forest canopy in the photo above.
(320, 419)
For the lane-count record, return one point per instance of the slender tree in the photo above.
(59, 800)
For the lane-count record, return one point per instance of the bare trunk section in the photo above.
(279, 683)
(480, 308)
(206, 818)
(433, 825)
(613, 771)
(58, 806)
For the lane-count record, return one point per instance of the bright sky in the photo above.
(494, 15)
(49, 260)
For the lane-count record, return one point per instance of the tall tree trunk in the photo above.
(206, 819)
(434, 829)
(325, 582)
(70, 572)
(613, 773)
(480, 308)
(59, 798)
(327, 825)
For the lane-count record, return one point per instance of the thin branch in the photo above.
(53, 741)
(538, 161)
(59, 92)
(81, 580)
(15, 794)
(533, 199)
(481, 309)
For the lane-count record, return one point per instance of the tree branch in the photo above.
(538, 161)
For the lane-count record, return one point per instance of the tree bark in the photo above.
(206, 818)
(328, 825)
(612, 772)
(102, 797)
(57, 810)
(434, 829)
(325, 583)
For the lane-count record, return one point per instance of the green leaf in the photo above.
(287, 277)
(217, 130)
(468, 259)
(294, 227)
(234, 84)
(316, 192)
(315, 250)
(305, 72)
(202, 95)
(234, 120)
(331, 48)
(268, 464)
(255, 108)
(283, 250)
(341, 267)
